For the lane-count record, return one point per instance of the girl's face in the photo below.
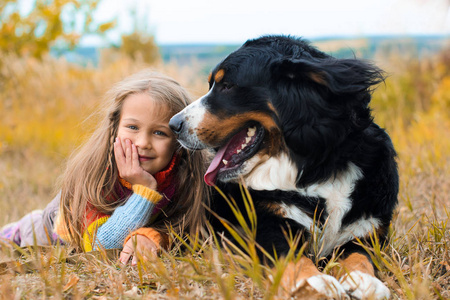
(146, 125)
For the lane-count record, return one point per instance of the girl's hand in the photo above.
(127, 160)
(137, 245)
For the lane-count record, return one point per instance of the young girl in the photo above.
(130, 179)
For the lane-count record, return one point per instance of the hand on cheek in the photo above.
(137, 246)
(127, 160)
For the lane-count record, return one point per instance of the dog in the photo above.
(294, 125)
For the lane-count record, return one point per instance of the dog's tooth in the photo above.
(247, 140)
(224, 162)
(243, 146)
(251, 131)
(238, 150)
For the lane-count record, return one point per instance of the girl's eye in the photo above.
(160, 133)
(132, 127)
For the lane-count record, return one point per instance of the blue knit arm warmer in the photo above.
(134, 214)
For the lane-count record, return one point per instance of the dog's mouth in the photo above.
(230, 157)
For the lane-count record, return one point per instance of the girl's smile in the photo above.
(144, 158)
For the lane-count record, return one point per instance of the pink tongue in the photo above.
(213, 169)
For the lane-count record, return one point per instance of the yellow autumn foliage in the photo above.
(414, 106)
(47, 105)
(48, 23)
(440, 100)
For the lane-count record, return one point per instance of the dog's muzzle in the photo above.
(185, 133)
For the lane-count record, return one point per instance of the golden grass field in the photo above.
(43, 110)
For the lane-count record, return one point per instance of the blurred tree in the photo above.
(140, 44)
(49, 23)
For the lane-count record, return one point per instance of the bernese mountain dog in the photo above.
(293, 124)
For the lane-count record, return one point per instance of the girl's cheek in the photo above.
(123, 136)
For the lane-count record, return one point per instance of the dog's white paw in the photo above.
(327, 285)
(362, 285)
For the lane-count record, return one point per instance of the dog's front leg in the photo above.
(357, 276)
(305, 281)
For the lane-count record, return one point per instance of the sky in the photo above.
(235, 21)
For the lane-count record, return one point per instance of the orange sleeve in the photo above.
(159, 238)
(91, 215)
(93, 218)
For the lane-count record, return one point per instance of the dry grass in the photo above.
(42, 105)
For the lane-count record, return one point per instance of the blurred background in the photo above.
(59, 57)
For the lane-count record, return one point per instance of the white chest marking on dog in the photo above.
(276, 173)
(336, 191)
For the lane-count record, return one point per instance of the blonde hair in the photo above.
(91, 174)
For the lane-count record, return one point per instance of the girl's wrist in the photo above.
(153, 188)
(147, 193)
(151, 184)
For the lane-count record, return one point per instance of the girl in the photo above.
(130, 179)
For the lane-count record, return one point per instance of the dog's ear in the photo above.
(339, 76)
(313, 129)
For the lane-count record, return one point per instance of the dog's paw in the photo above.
(362, 285)
(325, 285)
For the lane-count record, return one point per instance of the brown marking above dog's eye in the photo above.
(219, 75)
(209, 77)
(318, 78)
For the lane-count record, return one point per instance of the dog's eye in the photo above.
(227, 86)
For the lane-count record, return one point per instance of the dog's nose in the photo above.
(176, 123)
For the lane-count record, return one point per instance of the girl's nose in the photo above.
(143, 141)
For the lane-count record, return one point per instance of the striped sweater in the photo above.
(140, 205)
